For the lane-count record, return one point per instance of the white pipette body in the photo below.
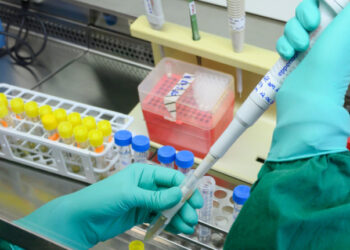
(155, 14)
(254, 106)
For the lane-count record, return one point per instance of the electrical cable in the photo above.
(21, 43)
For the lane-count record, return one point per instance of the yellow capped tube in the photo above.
(96, 143)
(50, 124)
(17, 107)
(74, 118)
(106, 128)
(5, 118)
(3, 99)
(89, 122)
(45, 109)
(81, 135)
(136, 245)
(61, 115)
(65, 131)
(31, 110)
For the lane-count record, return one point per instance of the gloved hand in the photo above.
(311, 119)
(110, 207)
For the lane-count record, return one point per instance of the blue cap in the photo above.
(110, 19)
(184, 159)
(241, 193)
(2, 38)
(122, 138)
(140, 143)
(166, 154)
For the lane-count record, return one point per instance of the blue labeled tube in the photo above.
(140, 145)
(184, 161)
(166, 156)
(240, 195)
(2, 37)
(122, 139)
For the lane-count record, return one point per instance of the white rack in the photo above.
(27, 142)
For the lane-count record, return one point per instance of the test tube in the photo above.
(32, 111)
(5, 118)
(74, 118)
(166, 156)
(3, 99)
(45, 109)
(106, 128)
(60, 115)
(207, 188)
(89, 122)
(17, 107)
(140, 145)
(81, 136)
(184, 161)
(240, 195)
(65, 131)
(50, 124)
(96, 143)
(123, 139)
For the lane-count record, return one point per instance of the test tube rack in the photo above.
(27, 142)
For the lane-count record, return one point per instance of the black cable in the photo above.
(21, 44)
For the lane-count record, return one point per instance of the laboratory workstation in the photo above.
(174, 124)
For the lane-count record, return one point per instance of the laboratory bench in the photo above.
(101, 67)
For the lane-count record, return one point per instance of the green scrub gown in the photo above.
(301, 204)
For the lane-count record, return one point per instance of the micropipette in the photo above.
(253, 107)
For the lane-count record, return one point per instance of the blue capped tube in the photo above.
(140, 145)
(122, 139)
(184, 161)
(166, 156)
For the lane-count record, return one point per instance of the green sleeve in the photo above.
(4, 245)
(301, 204)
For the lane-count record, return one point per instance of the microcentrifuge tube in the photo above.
(106, 128)
(89, 122)
(5, 118)
(166, 156)
(74, 118)
(60, 114)
(45, 109)
(140, 145)
(240, 195)
(17, 107)
(206, 188)
(184, 161)
(81, 136)
(3, 99)
(31, 110)
(50, 124)
(123, 139)
(65, 131)
(96, 143)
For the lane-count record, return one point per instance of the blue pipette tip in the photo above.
(241, 193)
(166, 154)
(140, 143)
(184, 159)
(123, 138)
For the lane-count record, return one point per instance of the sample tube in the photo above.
(106, 128)
(140, 145)
(81, 136)
(96, 143)
(89, 122)
(50, 124)
(241, 193)
(32, 111)
(184, 161)
(61, 115)
(166, 156)
(3, 99)
(74, 118)
(65, 131)
(17, 107)
(123, 139)
(45, 109)
(207, 188)
(136, 245)
(5, 118)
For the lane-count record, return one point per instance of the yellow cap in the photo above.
(31, 108)
(74, 118)
(81, 133)
(65, 130)
(49, 122)
(61, 115)
(96, 138)
(136, 245)
(3, 110)
(45, 109)
(89, 122)
(105, 127)
(3, 99)
(17, 105)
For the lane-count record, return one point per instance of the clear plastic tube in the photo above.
(124, 153)
(7, 121)
(185, 171)
(140, 157)
(168, 165)
(236, 210)
(206, 188)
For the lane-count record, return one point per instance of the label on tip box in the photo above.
(171, 98)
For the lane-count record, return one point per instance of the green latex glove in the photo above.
(110, 207)
(311, 119)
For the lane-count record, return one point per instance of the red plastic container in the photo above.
(195, 128)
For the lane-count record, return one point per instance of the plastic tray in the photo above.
(27, 144)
